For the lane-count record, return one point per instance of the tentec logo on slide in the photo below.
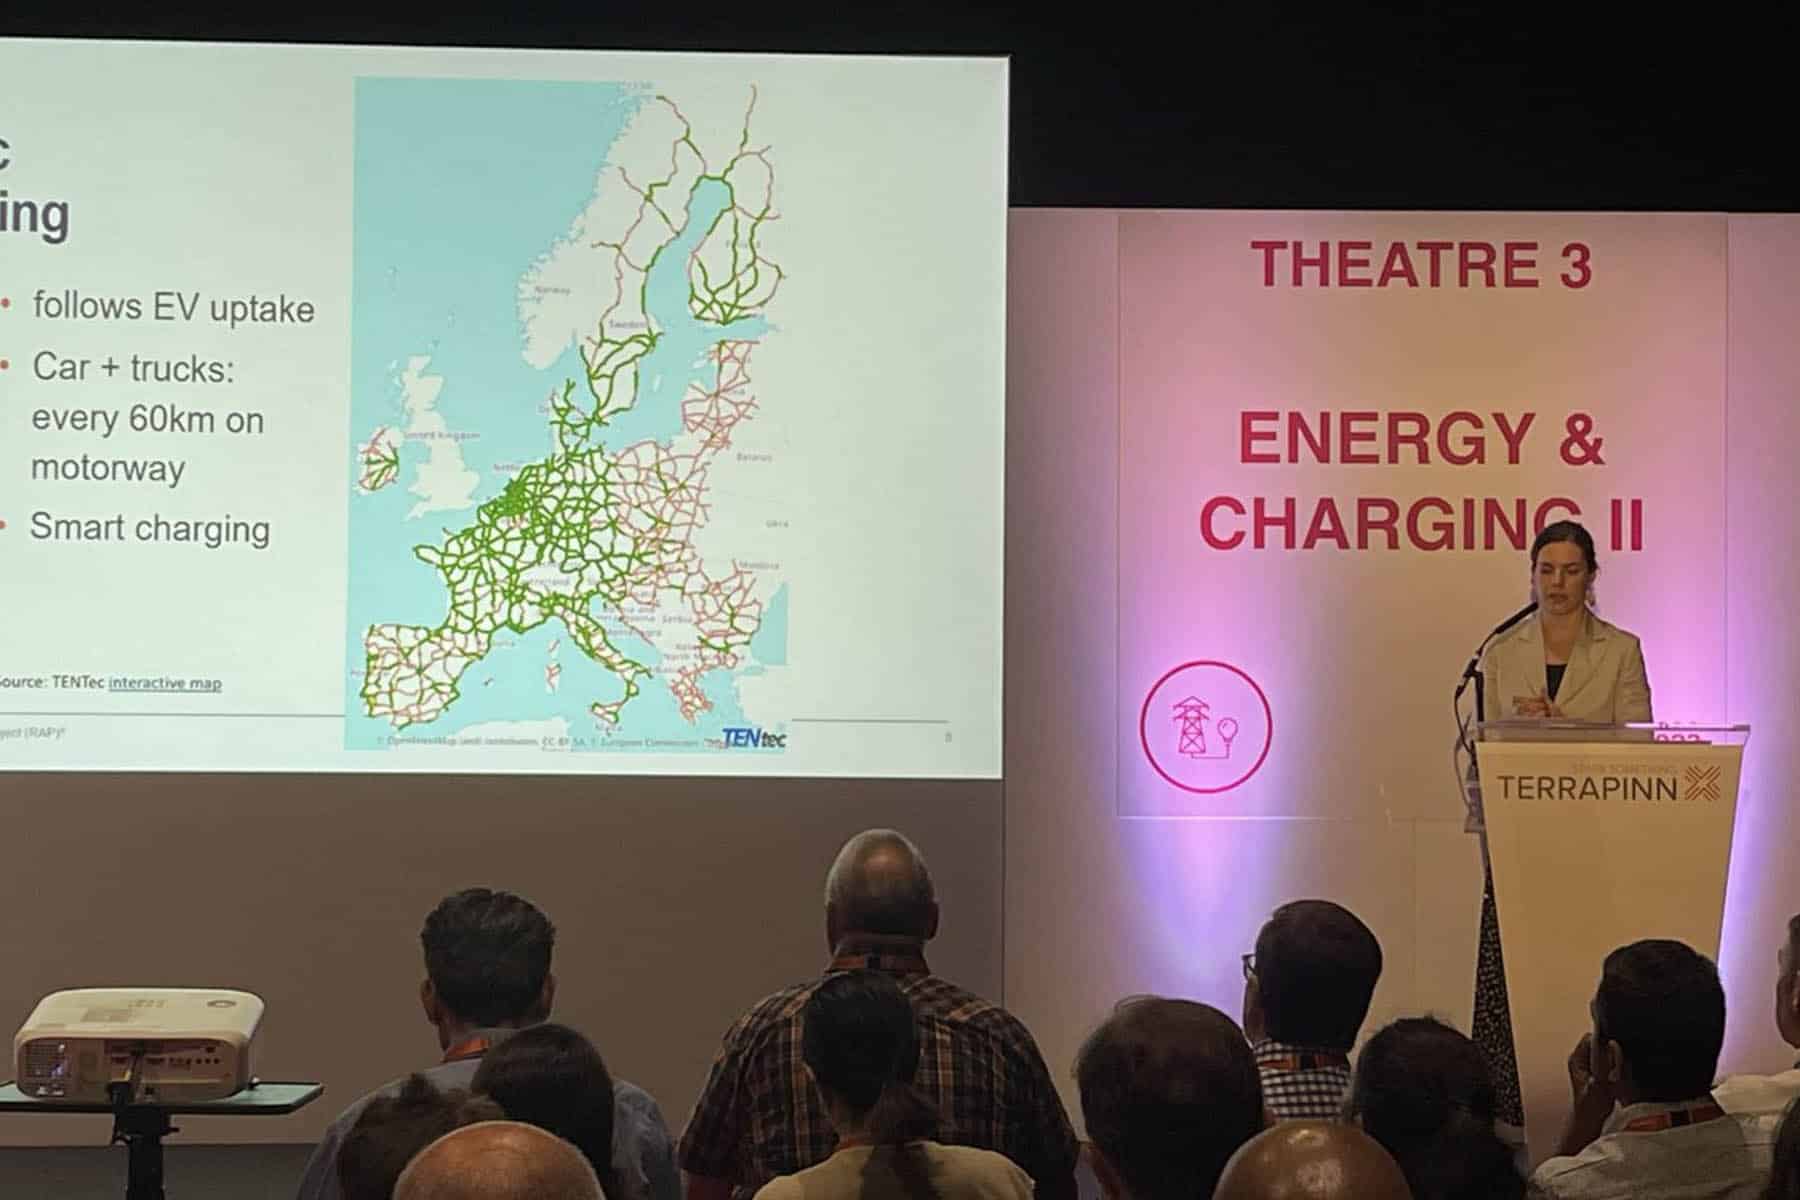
(1205, 726)
(750, 738)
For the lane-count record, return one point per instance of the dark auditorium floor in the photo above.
(194, 1172)
(189, 1172)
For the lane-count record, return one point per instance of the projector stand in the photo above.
(143, 1126)
(142, 1129)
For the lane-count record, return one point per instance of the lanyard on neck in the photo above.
(1283, 1064)
(468, 1048)
(896, 960)
(1699, 1114)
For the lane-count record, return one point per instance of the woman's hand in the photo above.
(1535, 706)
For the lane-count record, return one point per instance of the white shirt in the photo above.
(1758, 1093)
(1726, 1158)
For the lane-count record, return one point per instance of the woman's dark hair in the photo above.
(1784, 1174)
(861, 1042)
(552, 1077)
(1426, 1093)
(1567, 531)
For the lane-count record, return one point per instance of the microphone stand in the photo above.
(1470, 780)
(1472, 674)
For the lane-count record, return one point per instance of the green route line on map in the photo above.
(609, 356)
(381, 466)
(745, 279)
(558, 514)
(730, 644)
(562, 513)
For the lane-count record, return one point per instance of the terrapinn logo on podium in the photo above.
(1702, 783)
(1206, 726)
(1617, 783)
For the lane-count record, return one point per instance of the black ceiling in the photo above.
(1421, 106)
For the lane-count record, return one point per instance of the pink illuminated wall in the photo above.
(1160, 363)
(1760, 587)
(1382, 441)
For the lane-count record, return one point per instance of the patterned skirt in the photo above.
(1493, 1030)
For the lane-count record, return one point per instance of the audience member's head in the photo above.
(552, 1077)
(487, 963)
(1313, 975)
(860, 1041)
(1169, 1091)
(1659, 1021)
(1784, 1173)
(1787, 986)
(393, 1128)
(1312, 1160)
(499, 1160)
(1426, 1093)
(879, 886)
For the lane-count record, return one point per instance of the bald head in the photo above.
(880, 885)
(1312, 1160)
(498, 1160)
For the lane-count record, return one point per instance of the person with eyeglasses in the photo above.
(1773, 1093)
(1307, 990)
(1784, 1175)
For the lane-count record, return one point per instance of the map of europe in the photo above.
(560, 293)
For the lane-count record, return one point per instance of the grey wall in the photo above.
(678, 902)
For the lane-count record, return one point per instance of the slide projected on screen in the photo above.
(383, 409)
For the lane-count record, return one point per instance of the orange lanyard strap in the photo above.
(473, 1047)
(1675, 1119)
(1303, 1062)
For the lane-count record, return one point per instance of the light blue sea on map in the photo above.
(460, 186)
(768, 645)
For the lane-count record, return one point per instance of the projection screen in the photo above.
(394, 410)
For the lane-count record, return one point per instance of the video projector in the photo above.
(164, 1045)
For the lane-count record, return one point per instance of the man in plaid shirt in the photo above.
(760, 1115)
(1307, 989)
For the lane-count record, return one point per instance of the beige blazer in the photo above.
(1605, 680)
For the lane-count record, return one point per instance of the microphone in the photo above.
(1474, 667)
(1507, 624)
(1498, 630)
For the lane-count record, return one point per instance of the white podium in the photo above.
(1598, 835)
